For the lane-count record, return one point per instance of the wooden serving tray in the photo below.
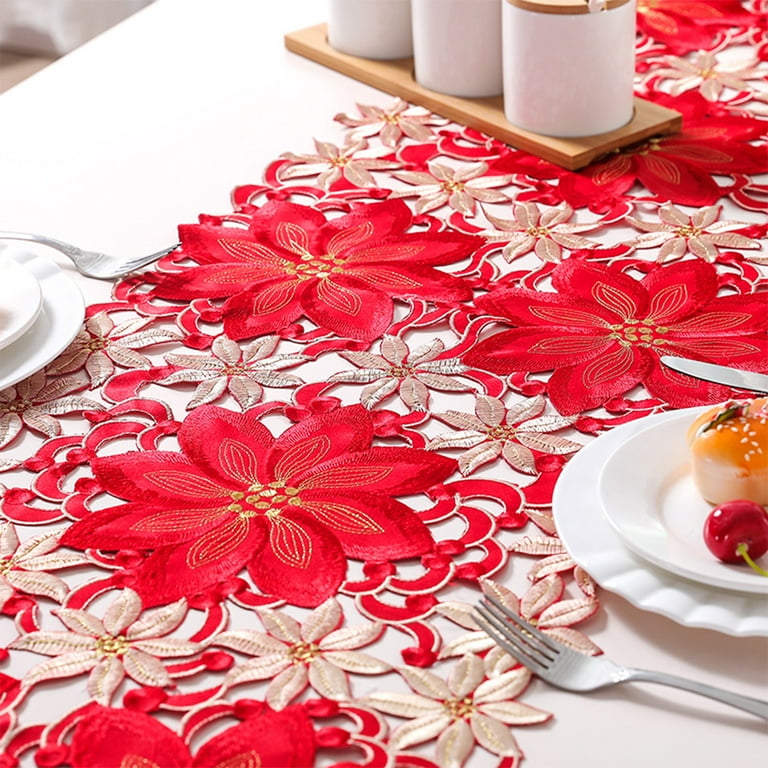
(485, 114)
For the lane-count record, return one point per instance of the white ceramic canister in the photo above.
(569, 65)
(371, 29)
(457, 46)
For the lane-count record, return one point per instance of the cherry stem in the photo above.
(743, 550)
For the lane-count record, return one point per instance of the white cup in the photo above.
(457, 46)
(569, 67)
(372, 29)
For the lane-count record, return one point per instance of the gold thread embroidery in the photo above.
(182, 483)
(291, 544)
(342, 517)
(302, 456)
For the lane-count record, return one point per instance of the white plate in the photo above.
(594, 544)
(649, 497)
(60, 318)
(20, 300)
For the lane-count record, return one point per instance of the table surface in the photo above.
(155, 122)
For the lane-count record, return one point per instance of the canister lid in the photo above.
(563, 6)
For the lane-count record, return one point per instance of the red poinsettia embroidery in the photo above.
(290, 509)
(120, 738)
(689, 25)
(678, 167)
(602, 332)
(342, 273)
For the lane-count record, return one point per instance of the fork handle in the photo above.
(748, 704)
(59, 245)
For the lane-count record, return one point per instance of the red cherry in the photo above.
(737, 527)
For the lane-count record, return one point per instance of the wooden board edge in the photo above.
(395, 77)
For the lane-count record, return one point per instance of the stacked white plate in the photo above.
(628, 512)
(41, 311)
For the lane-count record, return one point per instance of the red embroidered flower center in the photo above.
(639, 333)
(453, 186)
(688, 231)
(265, 500)
(110, 646)
(303, 653)
(312, 266)
(97, 343)
(538, 231)
(460, 709)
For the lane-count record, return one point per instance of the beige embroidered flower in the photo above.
(460, 188)
(701, 234)
(541, 605)
(545, 233)
(291, 655)
(354, 162)
(102, 344)
(35, 401)
(391, 124)
(704, 72)
(24, 566)
(241, 372)
(469, 707)
(396, 369)
(124, 642)
(494, 431)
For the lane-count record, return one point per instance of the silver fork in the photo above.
(91, 263)
(573, 671)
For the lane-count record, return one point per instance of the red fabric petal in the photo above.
(590, 384)
(158, 477)
(348, 307)
(302, 561)
(680, 289)
(266, 309)
(682, 391)
(119, 738)
(283, 739)
(532, 350)
(670, 179)
(376, 233)
(320, 438)
(370, 527)
(140, 526)
(412, 280)
(226, 445)
(391, 471)
(170, 573)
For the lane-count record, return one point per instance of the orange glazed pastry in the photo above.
(729, 449)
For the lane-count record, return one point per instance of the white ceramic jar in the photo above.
(569, 65)
(457, 46)
(372, 29)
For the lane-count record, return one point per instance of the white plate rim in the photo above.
(24, 301)
(655, 543)
(59, 320)
(594, 545)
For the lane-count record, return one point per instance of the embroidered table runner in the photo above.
(248, 511)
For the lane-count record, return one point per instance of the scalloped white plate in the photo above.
(20, 300)
(649, 497)
(594, 544)
(58, 322)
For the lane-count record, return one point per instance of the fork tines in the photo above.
(516, 635)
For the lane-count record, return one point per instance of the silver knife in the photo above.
(719, 374)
